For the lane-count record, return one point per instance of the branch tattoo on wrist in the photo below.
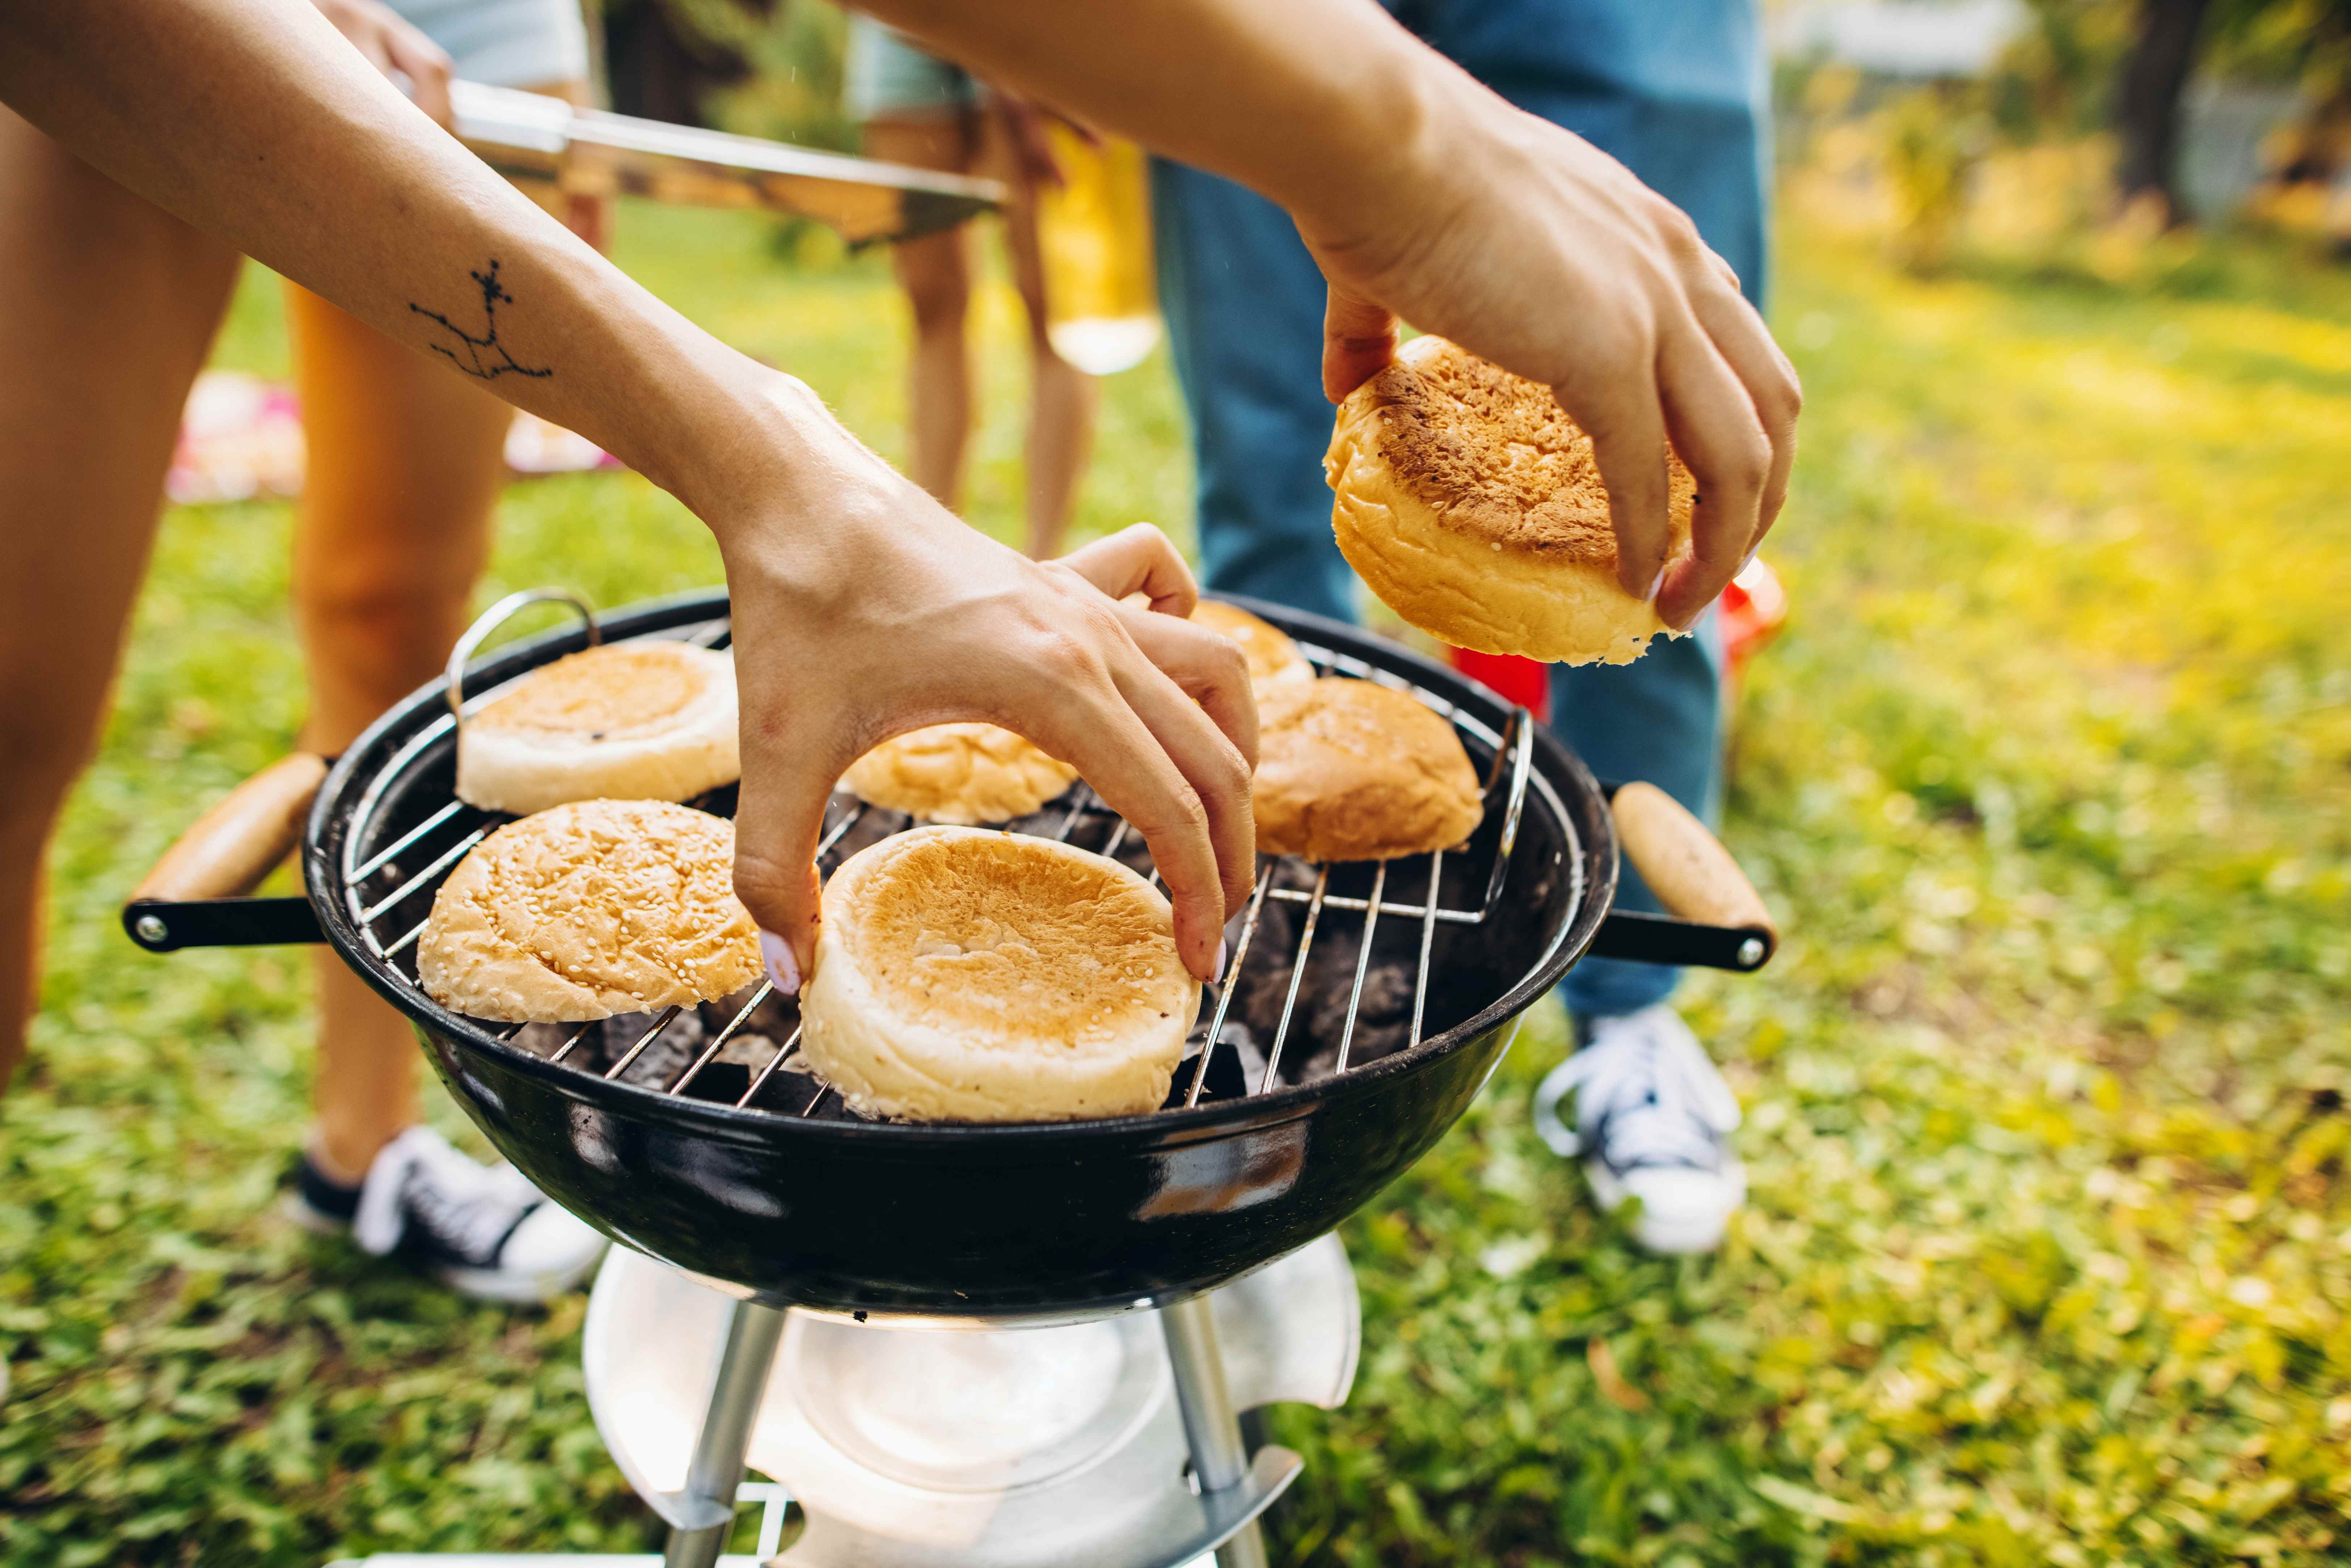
(483, 356)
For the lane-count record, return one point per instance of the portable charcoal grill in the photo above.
(1362, 1008)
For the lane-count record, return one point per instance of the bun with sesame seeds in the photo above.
(1471, 504)
(968, 976)
(588, 910)
(631, 721)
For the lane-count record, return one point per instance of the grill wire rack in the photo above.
(388, 891)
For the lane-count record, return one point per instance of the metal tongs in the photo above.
(534, 140)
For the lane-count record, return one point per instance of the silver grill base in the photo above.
(1059, 1447)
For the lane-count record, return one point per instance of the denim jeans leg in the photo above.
(1243, 301)
(1657, 718)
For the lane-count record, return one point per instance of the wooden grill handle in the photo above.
(1682, 862)
(241, 839)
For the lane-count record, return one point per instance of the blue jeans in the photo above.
(1676, 89)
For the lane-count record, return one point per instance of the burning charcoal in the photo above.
(1383, 1021)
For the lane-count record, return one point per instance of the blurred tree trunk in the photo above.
(2154, 76)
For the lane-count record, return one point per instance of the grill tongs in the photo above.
(534, 140)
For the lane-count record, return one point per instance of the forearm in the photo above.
(270, 133)
(1320, 105)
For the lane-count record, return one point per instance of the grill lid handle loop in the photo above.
(497, 615)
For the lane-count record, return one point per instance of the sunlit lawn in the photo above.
(2046, 1257)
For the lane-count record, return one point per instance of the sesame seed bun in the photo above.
(967, 976)
(1352, 770)
(959, 773)
(1472, 506)
(635, 721)
(588, 910)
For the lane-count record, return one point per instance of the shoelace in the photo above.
(467, 1209)
(1645, 1094)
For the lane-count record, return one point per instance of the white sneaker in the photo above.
(1653, 1119)
(483, 1230)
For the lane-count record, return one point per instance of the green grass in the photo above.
(2049, 1250)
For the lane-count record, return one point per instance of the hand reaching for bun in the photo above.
(863, 609)
(1531, 246)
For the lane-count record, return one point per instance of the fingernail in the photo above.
(1748, 558)
(1224, 955)
(1655, 583)
(783, 969)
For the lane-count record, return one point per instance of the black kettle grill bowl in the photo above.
(1027, 1220)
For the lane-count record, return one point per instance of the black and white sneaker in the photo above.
(483, 1230)
(1653, 1121)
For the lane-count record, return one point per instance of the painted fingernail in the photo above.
(1224, 955)
(1655, 583)
(783, 969)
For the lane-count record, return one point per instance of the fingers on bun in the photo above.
(967, 976)
(634, 721)
(588, 910)
(1472, 506)
(959, 773)
(1352, 771)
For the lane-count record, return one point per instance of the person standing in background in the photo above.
(405, 462)
(1676, 93)
(918, 110)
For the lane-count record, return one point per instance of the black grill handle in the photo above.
(166, 925)
(1662, 939)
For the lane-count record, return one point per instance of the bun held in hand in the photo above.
(1472, 506)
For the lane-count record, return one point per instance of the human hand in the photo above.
(395, 48)
(863, 609)
(1525, 244)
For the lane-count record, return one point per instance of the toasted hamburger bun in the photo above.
(960, 773)
(965, 976)
(1271, 656)
(1472, 506)
(591, 909)
(625, 721)
(1352, 770)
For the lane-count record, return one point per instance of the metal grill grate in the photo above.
(387, 900)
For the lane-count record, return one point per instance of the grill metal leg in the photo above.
(752, 1335)
(1211, 1426)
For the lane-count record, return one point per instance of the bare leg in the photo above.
(935, 273)
(1062, 397)
(406, 461)
(113, 306)
(404, 470)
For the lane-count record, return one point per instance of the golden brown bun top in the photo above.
(1351, 770)
(1494, 455)
(611, 691)
(961, 773)
(590, 909)
(1269, 651)
(1000, 938)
